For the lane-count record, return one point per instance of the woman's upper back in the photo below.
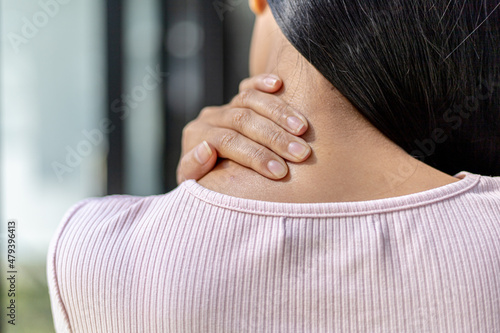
(194, 260)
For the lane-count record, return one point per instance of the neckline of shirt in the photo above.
(334, 209)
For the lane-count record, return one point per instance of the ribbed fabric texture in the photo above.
(194, 260)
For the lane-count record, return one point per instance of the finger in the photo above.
(234, 146)
(265, 82)
(265, 132)
(197, 162)
(273, 108)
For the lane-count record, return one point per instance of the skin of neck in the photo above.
(351, 159)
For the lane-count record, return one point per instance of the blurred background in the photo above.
(94, 95)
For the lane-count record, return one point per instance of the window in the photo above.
(94, 95)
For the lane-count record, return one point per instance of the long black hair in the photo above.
(424, 72)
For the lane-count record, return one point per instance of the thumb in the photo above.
(197, 162)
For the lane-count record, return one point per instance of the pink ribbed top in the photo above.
(194, 260)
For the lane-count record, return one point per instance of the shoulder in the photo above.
(84, 216)
(88, 229)
(106, 213)
(489, 183)
(487, 186)
(96, 209)
(104, 206)
(70, 236)
(482, 198)
(91, 212)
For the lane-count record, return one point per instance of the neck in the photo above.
(351, 159)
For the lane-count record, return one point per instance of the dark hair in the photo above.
(425, 73)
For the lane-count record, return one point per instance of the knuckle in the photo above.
(277, 111)
(276, 138)
(258, 155)
(192, 134)
(206, 111)
(240, 118)
(243, 97)
(227, 139)
(188, 130)
(243, 84)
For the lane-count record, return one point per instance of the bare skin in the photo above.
(351, 160)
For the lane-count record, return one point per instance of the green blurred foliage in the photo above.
(33, 314)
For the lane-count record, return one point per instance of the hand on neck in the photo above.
(351, 159)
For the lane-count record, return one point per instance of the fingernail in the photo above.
(295, 123)
(277, 169)
(203, 153)
(270, 81)
(298, 150)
